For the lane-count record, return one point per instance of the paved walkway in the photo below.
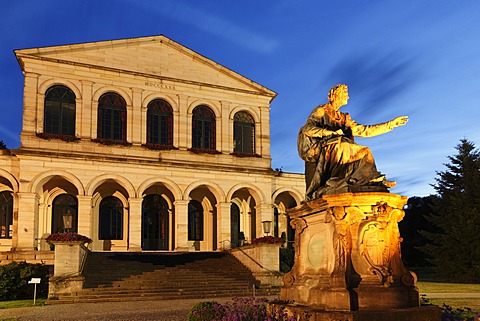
(167, 310)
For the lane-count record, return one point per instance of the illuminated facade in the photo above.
(140, 144)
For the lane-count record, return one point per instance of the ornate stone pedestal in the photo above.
(347, 256)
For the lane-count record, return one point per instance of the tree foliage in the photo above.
(2, 145)
(454, 249)
(416, 211)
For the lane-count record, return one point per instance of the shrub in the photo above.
(287, 258)
(239, 309)
(14, 279)
(203, 311)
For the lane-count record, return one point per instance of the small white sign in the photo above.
(35, 281)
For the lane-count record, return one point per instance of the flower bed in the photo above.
(240, 309)
(67, 237)
(268, 240)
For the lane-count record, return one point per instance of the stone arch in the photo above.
(99, 180)
(214, 106)
(173, 103)
(38, 181)
(42, 88)
(297, 196)
(105, 89)
(246, 109)
(214, 188)
(207, 194)
(171, 185)
(11, 179)
(256, 192)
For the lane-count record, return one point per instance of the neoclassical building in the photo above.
(140, 144)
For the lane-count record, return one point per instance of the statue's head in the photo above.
(336, 91)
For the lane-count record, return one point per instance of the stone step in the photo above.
(163, 276)
(171, 296)
(168, 287)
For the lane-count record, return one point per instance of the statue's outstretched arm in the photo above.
(321, 132)
(378, 129)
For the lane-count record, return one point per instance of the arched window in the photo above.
(154, 223)
(195, 221)
(59, 111)
(64, 214)
(203, 128)
(159, 123)
(112, 117)
(6, 215)
(111, 219)
(243, 133)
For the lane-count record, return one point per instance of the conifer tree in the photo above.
(416, 212)
(2, 145)
(455, 249)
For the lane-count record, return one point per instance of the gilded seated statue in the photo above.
(334, 163)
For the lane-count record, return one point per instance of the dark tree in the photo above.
(2, 145)
(455, 249)
(416, 211)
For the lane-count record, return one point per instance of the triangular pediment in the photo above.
(155, 56)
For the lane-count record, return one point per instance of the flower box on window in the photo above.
(110, 142)
(245, 155)
(159, 146)
(204, 151)
(65, 138)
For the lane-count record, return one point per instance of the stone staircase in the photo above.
(163, 276)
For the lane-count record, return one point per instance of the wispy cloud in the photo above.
(214, 24)
(10, 138)
(377, 78)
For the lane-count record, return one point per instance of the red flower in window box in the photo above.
(269, 239)
(67, 237)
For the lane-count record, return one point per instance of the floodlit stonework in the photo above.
(140, 144)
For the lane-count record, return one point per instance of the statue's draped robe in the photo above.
(333, 161)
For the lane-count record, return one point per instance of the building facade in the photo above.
(140, 144)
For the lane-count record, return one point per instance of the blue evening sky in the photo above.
(405, 57)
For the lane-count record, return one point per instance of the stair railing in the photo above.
(251, 258)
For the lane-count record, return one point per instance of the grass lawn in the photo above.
(473, 304)
(464, 307)
(21, 303)
(436, 287)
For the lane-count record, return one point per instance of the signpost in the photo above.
(35, 281)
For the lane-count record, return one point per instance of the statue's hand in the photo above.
(400, 121)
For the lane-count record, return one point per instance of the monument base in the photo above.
(347, 255)
(304, 313)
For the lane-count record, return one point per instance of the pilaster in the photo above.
(30, 103)
(84, 122)
(264, 212)
(27, 221)
(85, 215)
(135, 225)
(135, 118)
(181, 228)
(223, 225)
(183, 123)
